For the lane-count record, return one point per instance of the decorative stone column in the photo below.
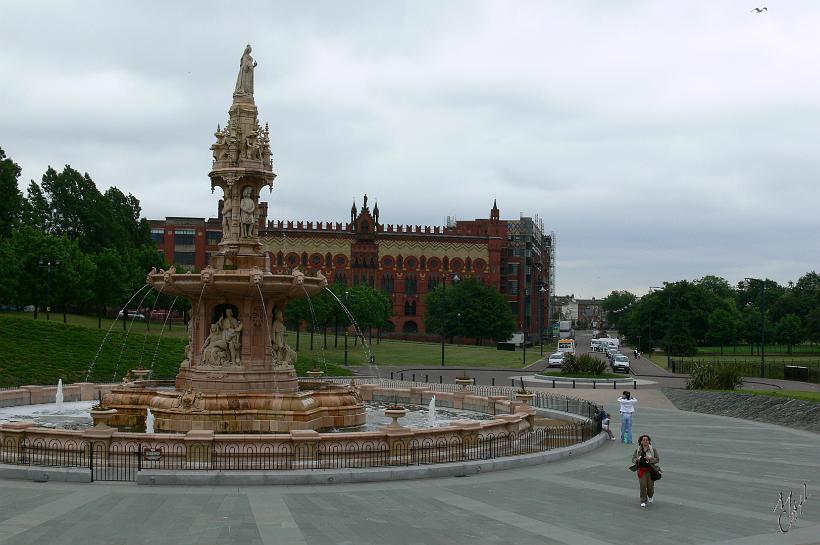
(199, 446)
(305, 446)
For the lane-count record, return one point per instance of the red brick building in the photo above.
(404, 261)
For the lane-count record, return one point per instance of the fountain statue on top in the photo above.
(237, 359)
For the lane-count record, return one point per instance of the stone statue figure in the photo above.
(244, 81)
(282, 353)
(252, 150)
(247, 212)
(223, 346)
(231, 328)
(226, 218)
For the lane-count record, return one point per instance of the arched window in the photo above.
(387, 282)
(411, 284)
(407, 308)
(432, 282)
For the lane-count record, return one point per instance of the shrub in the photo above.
(729, 377)
(591, 365)
(570, 366)
(707, 376)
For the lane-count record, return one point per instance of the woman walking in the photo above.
(645, 462)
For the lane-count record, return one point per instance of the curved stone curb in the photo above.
(340, 476)
(588, 381)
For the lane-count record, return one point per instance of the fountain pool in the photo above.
(75, 416)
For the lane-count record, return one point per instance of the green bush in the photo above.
(570, 366)
(729, 377)
(713, 377)
(591, 365)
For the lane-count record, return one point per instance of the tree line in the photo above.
(67, 245)
(681, 316)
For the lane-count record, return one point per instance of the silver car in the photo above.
(556, 360)
(620, 363)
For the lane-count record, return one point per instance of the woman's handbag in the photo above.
(655, 474)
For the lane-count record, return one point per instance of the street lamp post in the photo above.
(762, 325)
(444, 311)
(48, 265)
(668, 326)
(347, 326)
(541, 292)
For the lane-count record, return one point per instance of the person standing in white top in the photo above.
(627, 403)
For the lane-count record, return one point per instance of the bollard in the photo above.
(512, 380)
(414, 377)
(615, 384)
(391, 375)
(593, 385)
(573, 383)
(440, 379)
(634, 384)
(401, 376)
(426, 378)
(553, 383)
(493, 382)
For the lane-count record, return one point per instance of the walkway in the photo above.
(722, 478)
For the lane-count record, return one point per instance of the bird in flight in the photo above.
(760, 10)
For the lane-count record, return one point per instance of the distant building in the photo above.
(404, 261)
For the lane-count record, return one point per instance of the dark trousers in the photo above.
(647, 486)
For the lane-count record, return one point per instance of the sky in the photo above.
(659, 141)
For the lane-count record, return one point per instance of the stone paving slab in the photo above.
(722, 476)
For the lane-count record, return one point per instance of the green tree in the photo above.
(12, 202)
(469, 308)
(789, 331)
(813, 325)
(617, 305)
(723, 326)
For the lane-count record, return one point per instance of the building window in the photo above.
(409, 308)
(387, 282)
(432, 282)
(184, 236)
(214, 237)
(411, 284)
(158, 235)
(512, 287)
(185, 258)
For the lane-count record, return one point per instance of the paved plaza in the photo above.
(722, 478)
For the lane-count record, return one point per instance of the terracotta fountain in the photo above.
(238, 375)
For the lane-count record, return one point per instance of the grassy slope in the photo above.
(40, 352)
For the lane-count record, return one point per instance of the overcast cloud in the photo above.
(660, 141)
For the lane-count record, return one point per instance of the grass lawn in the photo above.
(387, 352)
(409, 354)
(41, 352)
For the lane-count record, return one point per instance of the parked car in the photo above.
(131, 315)
(611, 352)
(556, 360)
(620, 363)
